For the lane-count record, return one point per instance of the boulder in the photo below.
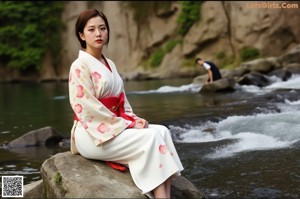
(254, 78)
(293, 68)
(237, 72)
(262, 65)
(34, 190)
(293, 56)
(73, 176)
(224, 84)
(283, 74)
(43, 136)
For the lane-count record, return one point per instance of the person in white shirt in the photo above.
(212, 70)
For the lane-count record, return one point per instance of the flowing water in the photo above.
(242, 144)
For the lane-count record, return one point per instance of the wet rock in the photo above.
(237, 72)
(73, 176)
(224, 84)
(254, 78)
(42, 136)
(293, 68)
(283, 74)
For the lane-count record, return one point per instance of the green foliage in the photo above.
(28, 30)
(225, 61)
(248, 53)
(57, 179)
(170, 45)
(190, 13)
(157, 57)
(189, 63)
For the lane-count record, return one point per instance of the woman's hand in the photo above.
(141, 123)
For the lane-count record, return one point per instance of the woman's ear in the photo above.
(82, 36)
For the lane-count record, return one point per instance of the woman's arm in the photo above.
(97, 120)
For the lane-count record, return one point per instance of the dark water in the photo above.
(222, 162)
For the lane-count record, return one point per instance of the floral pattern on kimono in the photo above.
(89, 81)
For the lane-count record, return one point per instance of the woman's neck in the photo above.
(97, 53)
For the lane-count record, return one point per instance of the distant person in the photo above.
(212, 70)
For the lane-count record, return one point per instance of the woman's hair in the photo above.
(82, 20)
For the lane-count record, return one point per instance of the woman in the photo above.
(105, 127)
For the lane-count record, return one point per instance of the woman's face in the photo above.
(95, 33)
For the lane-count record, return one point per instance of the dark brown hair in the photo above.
(196, 61)
(82, 20)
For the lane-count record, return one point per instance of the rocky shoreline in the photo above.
(255, 72)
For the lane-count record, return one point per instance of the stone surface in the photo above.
(72, 176)
(224, 84)
(42, 136)
(254, 78)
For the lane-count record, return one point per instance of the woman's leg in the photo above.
(163, 190)
(168, 185)
(160, 191)
(143, 150)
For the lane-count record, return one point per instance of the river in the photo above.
(242, 144)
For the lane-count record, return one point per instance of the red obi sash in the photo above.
(115, 105)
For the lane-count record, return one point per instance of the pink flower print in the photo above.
(80, 91)
(172, 154)
(77, 72)
(163, 149)
(96, 77)
(91, 119)
(160, 166)
(83, 124)
(102, 128)
(78, 108)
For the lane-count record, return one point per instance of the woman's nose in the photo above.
(98, 32)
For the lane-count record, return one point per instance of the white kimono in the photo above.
(99, 134)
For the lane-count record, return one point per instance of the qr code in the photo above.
(12, 186)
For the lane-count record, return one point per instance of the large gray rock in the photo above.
(34, 190)
(42, 136)
(283, 74)
(73, 176)
(262, 65)
(294, 68)
(254, 78)
(221, 85)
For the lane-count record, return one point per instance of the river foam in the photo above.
(276, 83)
(194, 88)
(261, 131)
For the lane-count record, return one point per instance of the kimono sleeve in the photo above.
(128, 108)
(97, 120)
